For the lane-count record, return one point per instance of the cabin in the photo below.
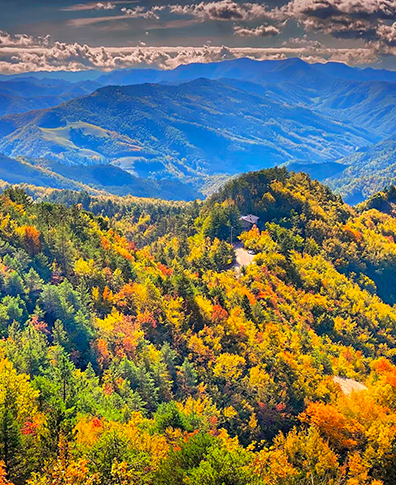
(249, 221)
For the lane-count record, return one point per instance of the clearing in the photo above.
(348, 385)
(242, 257)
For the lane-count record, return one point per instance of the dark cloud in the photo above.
(345, 19)
(325, 9)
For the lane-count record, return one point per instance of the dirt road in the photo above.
(242, 257)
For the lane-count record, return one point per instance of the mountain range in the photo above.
(199, 127)
(199, 123)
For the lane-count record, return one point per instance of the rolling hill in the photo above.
(198, 128)
(364, 97)
(94, 179)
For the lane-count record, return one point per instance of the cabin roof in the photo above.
(250, 218)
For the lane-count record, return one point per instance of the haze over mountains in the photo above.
(29, 93)
(199, 123)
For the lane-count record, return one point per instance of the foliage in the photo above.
(132, 351)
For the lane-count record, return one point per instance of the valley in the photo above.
(195, 126)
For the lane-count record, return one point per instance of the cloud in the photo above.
(22, 40)
(141, 12)
(103, 5)
(23, 54)
(224, 10)
(85, 21)
(367, 20)
(358, 9)
(387, 34)
(264, 31)
(303, 41)
(132, 13)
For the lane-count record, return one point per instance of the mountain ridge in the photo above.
(264, 113)
(203, 121)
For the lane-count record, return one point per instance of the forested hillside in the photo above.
(95, 179)
(365, 172)
(133, 352)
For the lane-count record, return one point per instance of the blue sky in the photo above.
(64, 34)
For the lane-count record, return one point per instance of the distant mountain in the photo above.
(359, 175)
(70, 76)
(244, 68)
(103, 178)
(22, 95)
(21, 171)
(318, 171)
(369, 105)
(199, 128)
(363, 97)
(259, 72)
(199, 123)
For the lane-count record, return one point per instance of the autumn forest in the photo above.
(134, 352)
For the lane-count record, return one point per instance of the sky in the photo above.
(51, 35)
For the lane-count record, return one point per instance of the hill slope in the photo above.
(202, 127)
(365, 172)
(364, 97)
(131, 340)
(20, 96)
(245, 115)
(93, 178)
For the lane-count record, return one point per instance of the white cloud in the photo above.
(105, 6)
(141, 12)
(84, 21)
(221, 10)
(264, 31)
(224, 10)
(303, 41)
(22, 40)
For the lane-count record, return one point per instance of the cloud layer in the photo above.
(264, 31)
(23, 54)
